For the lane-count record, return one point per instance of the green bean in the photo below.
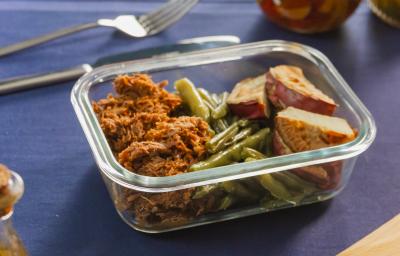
(217, 111)
(267, 147)
(295, 183)
(205, 95)
(225, 122)
(276, 188)
(219, 159)
(229, 132)
(283, 180)
(232, 153)
(223, 95)
(241, 135)
(191, 97)
(222, 109)
(227, 202)
(205, 190)
(216, 98)
(253, 185)
(237, 189)
(220, 144)
(252, 153)
(243, 122)
(250, 159)
(208, 104)
(218, 125)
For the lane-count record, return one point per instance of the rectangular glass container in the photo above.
(159, 204)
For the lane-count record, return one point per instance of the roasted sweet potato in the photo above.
(248, 99)
(287, 86)
(297, 130)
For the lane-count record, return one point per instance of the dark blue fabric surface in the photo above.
(66, 209)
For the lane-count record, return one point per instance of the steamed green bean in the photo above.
(222, 109)
(192, 98)
(237, 189)
(205, 190)
(222, 137)
(216, 98)
(227, 202)
(240, 135)
(252, 153)
(205, 95)
(231, 154)
(220, 144)
(276, 188)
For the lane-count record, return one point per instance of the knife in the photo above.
(20, 83)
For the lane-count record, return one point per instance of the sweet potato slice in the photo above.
(287, 86)
(248, 99)
(297, 130)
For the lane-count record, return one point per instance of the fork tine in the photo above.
(165, 8)
(169, 18)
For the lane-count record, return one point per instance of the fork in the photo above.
(141, 26)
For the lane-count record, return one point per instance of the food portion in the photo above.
(288, 87)
(297, 130)
(147, 138)
(248, 99)
(153, 132)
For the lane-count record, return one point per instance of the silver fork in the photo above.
(140, 26)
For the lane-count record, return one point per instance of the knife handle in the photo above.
(34, 81)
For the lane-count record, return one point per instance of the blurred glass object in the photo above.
(308, 16)
(11, 190)
(387, 10)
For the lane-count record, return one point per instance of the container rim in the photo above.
(114, 171)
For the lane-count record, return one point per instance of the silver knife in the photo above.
(34, 81)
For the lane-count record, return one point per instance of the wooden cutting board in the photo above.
(385, 241)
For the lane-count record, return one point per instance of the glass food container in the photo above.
(159, 204)
(387, 10)
(308, 16)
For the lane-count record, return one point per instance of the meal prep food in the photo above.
(153, 132)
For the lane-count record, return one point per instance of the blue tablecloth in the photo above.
(66, 209)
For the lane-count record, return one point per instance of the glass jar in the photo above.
(387, 10)
(308, 16)
(11, 190)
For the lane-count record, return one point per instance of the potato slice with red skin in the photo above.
(248, 99)
(297, 130)
(287, 86)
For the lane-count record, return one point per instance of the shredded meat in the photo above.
(147, 140)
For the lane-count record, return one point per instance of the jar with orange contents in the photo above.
(11, 190)
(387, 10)
(308, 16)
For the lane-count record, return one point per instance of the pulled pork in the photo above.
(146, 140)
